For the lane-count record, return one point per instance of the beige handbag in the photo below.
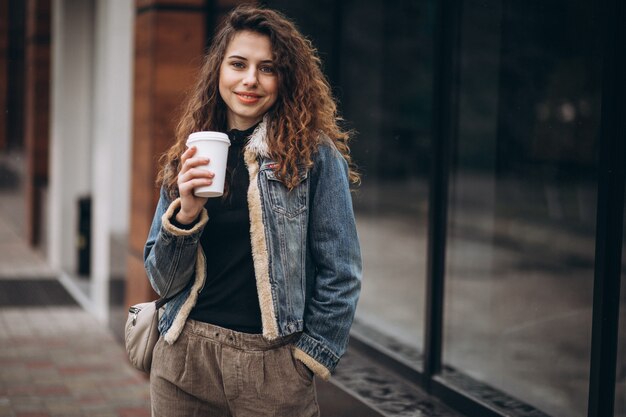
(142, 332)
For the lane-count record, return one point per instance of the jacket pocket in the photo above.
(288, 202)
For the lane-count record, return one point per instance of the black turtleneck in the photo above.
(229, 298)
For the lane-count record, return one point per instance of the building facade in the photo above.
(490, 135)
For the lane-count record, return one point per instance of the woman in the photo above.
(267, 277)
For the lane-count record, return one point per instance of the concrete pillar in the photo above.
(91, 141)
(71, 127)
(111, 142)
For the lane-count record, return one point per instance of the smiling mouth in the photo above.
(247, 97)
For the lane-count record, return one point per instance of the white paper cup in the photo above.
(212, 145)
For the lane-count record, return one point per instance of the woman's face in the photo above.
(248, 82)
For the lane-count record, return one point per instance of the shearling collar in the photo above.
(257, 144)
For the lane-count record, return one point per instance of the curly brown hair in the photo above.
(304, 111)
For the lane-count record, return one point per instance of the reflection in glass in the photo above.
(378, 56)
(519, 265)
(386, 88)
(620, 371)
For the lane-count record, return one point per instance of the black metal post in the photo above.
(612, 160)
(445, 91)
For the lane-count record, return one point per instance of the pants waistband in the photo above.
(246, 341)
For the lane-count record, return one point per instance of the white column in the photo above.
(90, 136)
(111, 140)
(70, 119)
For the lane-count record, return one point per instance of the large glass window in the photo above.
(378, 55)
(386, 78)
(521, 231)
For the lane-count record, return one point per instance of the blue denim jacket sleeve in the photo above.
(170, 253)
(336, 255)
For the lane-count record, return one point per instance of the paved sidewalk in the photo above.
(56, 361)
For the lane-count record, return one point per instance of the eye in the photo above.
(237, 64)
(267, 69)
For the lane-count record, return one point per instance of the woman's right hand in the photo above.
(190, 177)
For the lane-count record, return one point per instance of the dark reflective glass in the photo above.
(620, 371)
(378, 56)
(386, 85)
(521, 231)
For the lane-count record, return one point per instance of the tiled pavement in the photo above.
(56, 362)
(55, 359)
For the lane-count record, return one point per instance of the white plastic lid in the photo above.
(198, 136)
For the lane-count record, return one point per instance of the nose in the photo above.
(250, 78)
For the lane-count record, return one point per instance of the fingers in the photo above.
(195, 173)
(187, 187)
(188, 160)
(192, 173)
(195, 177)
(187, 154)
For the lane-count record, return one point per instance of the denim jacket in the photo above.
(305, 251)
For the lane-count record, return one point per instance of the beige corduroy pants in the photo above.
(212, 371)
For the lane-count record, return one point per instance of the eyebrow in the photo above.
(265, 61)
